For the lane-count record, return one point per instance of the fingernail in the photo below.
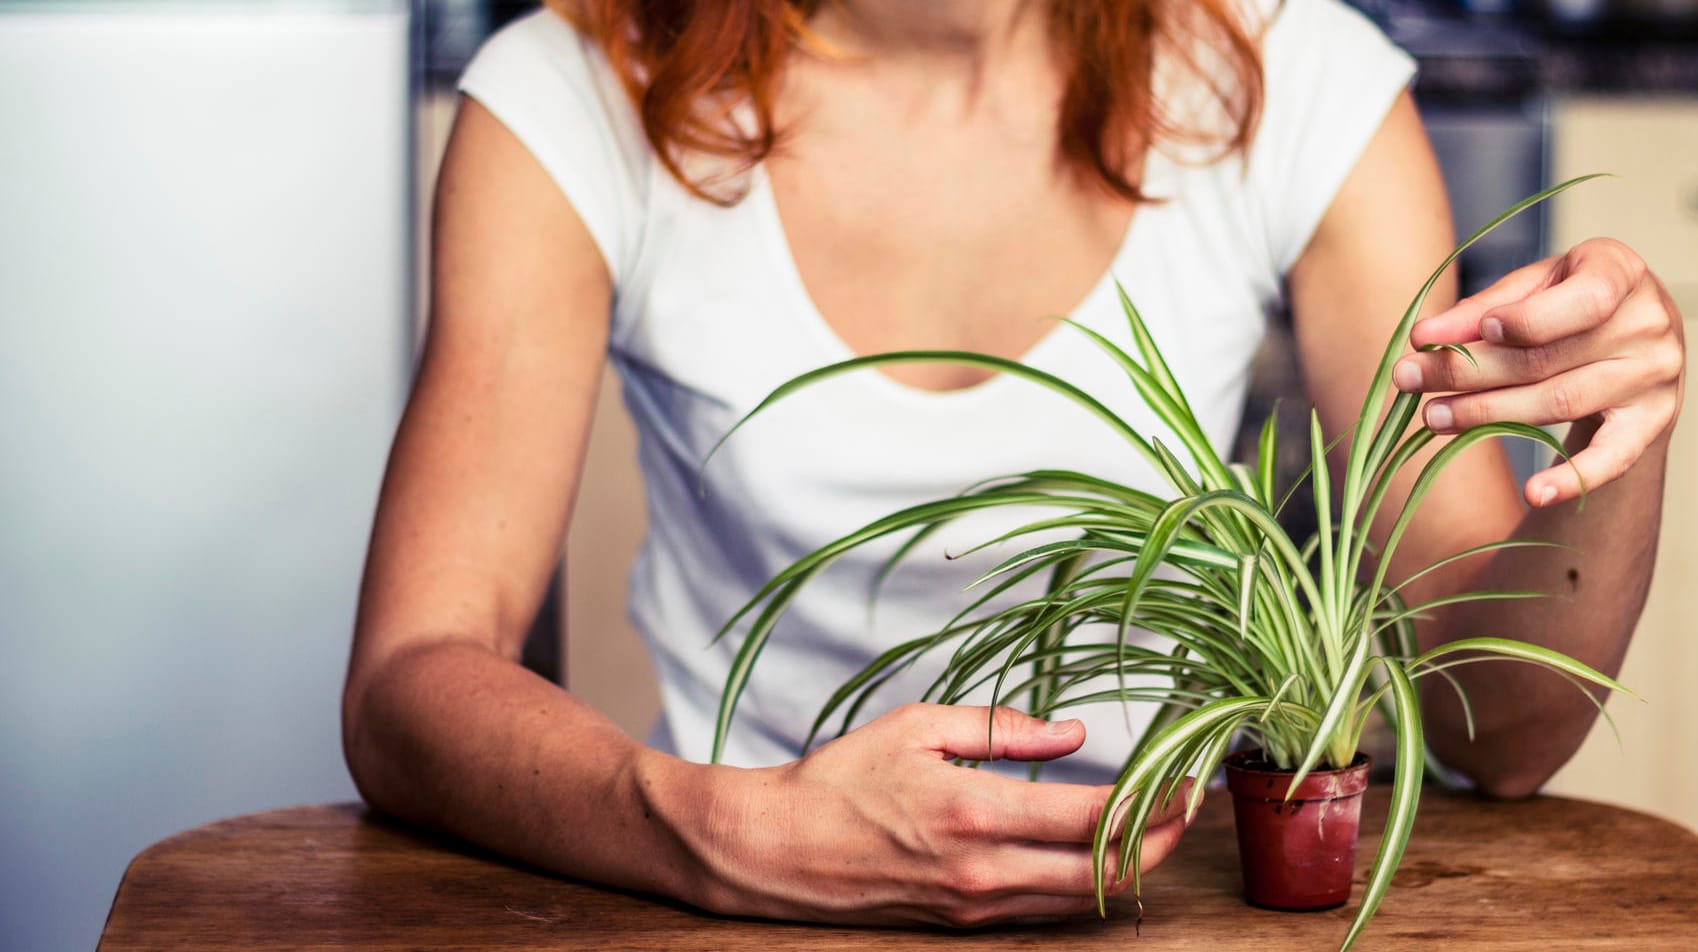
(1492, 330)
(1547, 495)
(1407, 376)
(1061, 727)
(1438, 416)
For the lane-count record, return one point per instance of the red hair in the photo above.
(687, 64)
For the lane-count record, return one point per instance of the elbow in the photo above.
(1508, 771)
(1512, 758)
(357, 754)
(1512, 786)
(1501, 768)
(370, 733)
(384, 745)
(370, 677)
(373, 761)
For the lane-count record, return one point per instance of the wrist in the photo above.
(687, 809)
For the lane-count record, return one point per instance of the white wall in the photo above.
(203, 351)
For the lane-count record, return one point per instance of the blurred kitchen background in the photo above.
(211, 233)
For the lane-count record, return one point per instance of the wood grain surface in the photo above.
(1541, 874)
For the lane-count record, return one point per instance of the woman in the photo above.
(717, 195)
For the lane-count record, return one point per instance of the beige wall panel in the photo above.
(433, 117)
(1655, 765)
(1653, 146)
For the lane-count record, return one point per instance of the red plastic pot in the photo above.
(1298, 854)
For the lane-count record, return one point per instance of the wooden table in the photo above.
(1543, 874)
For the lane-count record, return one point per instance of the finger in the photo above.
(977, 912)
(1159, 842)
(1049, 869)
(1062, 812)
(1044, 812)
(977, 733)
(1460, 323)
(1166, 807)
(1569, 396)
(1579, 302)
(1614, 448)
(1490, 366)
(1068, 869)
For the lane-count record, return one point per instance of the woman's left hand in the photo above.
(1590, 337)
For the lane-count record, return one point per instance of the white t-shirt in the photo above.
(709, 315)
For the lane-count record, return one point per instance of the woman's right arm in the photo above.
(443, 727)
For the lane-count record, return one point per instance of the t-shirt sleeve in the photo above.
(1330, 78)
(550, 86)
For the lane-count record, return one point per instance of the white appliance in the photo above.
(204, 347)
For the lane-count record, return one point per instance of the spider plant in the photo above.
(1291, 642)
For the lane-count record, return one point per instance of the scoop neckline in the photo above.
(833, 348)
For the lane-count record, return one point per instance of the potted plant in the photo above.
(1291, 642)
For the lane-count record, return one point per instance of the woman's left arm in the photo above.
(1590, 338)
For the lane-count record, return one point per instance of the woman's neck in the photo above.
(946, 34)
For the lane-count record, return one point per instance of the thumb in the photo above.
(979, 733)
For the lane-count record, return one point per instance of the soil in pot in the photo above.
(1298, 854)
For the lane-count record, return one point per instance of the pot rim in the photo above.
(1330, 784)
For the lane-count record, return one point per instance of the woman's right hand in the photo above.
(879, 826)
